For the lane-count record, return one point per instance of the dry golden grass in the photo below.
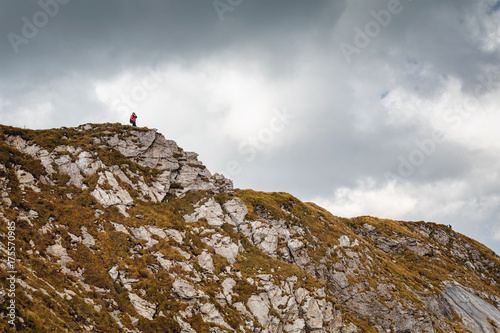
(410, 273)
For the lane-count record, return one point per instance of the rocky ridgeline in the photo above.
(179, 172)
(184, 252)
(293, 308)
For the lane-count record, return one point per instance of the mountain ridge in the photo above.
(119, 229)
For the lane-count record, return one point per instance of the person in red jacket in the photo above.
(133, 118)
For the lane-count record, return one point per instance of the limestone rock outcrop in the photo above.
(118, 229)
(177, 172)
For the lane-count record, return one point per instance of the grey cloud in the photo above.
(111, 35)
(342, 132)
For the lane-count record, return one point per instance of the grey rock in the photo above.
(187, 175)
(301, 294)
(267, 239)
(46, 228)
(88, 240)
(366, 304)
(26, 179)
(185, 290)
(474, 311)
(369, 227)
(344, 241)
(120, 227)
(152, 150)
(210, 210)
(4, 192)
(87, 164)
(441, 236)
(295, 245)
(74, 239)
(98, 213)
(57, 250)
(34, 151)
(266, 235)
(236, 209)
(227, 289)
(126, 282)
(143, 233)
(164, 263)
(183, 253)
(313, 314)
(175, 234)
(225, 184)
(114, 273)
(351, 328)
(340, 280)
(223, 246)
(65, 165)
(157, 231)
(116, 196)
(299, 252)
(417, 247)
(205, 261)
(185, 327)
(144, 308)
(259, 307)
(298, 326)
(242, 309)
(221, 299)
(32, 214)
(389, 245)
(209, 313)
(276, 297)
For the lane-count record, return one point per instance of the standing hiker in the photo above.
(133, 118)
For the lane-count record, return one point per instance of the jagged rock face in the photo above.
(476, 313)
(143, 307)
(178, 172)
(210, 210)
(184, 252)
(152, 150)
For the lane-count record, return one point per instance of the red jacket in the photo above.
(133, 118)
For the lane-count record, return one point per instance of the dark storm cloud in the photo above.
(353, 120)
(447, 35)
(110, 35)
(85, 41)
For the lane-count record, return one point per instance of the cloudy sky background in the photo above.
(337, 102)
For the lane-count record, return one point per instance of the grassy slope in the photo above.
(408, 271)
(47, 310)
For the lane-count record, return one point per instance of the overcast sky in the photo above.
(384, 108)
